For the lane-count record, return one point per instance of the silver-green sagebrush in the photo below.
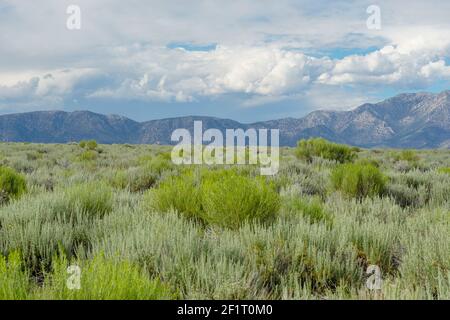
(311, 240)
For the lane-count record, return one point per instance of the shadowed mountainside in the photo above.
(416, 120)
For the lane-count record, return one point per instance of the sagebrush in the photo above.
(140, 227)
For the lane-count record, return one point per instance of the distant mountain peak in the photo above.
(408, 120)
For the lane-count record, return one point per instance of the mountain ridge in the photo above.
(410, 120)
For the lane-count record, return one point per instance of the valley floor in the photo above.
(123, 222)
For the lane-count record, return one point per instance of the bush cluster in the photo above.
(89, 144)
(356, 180)
(100, 278)
(319, 147)
(12, 184)
(87, 155)
(223, 197)
(93, 199)
(230, 199)
(227, 240)
(407, 155)
(134, 179)
(312, 209)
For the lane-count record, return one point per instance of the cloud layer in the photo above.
(264, 53)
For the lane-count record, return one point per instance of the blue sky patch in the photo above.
(192, 47)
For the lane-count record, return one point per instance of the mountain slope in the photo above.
(59, 126)
(420, 120)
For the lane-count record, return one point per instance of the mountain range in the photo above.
(410, 120)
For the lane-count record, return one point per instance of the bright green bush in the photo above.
(92, 199)
(358, 181)
(179, 193)
(133, 179)
(100, 279)
(406, 160)
(87, 155)
(159, 164)
(103, 279)
(156, 164)
(14, 281)
(407, 155)
(119, 179)
(91, 144)
(12, 184)
(33, 156)
(444, 170)
(319, 147)
(311, 209)
(366, 161)
(229, 199)
(296, 256)
(405, 196)
(40, 226)
(222, 198)
(88, 144)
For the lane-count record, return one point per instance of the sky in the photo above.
(244, 60)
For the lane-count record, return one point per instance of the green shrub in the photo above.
(33, 156)
(406, 196)
(14, 281)
(179, 193)
(319, 147)
(311, 209)
(100, 279)
(144, 160)
(222, 198)
(406, 160)
(91, 145)
(297, 256)
(366, 161)
(103, 279)
(38, 226)
(12, 184)
(119, 179)
(165, 156)
(407, 155)
(357, 180)
(87, 155)
(141, 181)
(229, 199)
(135, 179)
(159, 164)
(93, 199)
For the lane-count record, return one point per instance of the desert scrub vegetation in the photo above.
(406, 155)
(319, 147)
(358, 180)
(220, 197)
(90, 144)
(230, 199)
(87, 155)
(178, 193)
(101, 279)
(91, 199)
(12, 184)
(140, 227)
(311, 208)
(136, 179)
